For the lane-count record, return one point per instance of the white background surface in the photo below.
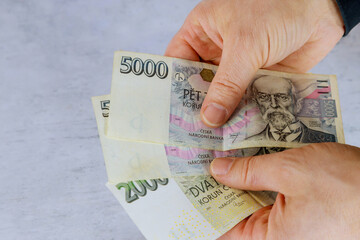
(55, 55)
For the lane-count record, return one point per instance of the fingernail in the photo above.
(214, 114)
(221, 166)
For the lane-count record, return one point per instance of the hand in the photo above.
(243, 36)
(319, 192)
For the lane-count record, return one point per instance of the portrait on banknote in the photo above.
(279, 105)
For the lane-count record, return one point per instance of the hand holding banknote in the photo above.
(318, 189)
(317, 183)
(290, 36)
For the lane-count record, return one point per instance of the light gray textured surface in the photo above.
(55, 55)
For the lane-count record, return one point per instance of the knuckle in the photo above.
(247, 171)
(226, 87)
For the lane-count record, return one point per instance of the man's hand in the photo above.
(243, 36)
(319, 192)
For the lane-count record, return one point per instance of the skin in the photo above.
(318, 189)
(242, 36)
(318, 184)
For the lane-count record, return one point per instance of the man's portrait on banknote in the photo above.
(279, 105)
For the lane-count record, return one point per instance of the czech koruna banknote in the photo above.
(150, 128)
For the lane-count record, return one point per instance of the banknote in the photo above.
(129, 160)
(158, 99)
(186, 208)
(125, 160)
(191, 207)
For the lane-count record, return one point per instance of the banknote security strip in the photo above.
(158, 99)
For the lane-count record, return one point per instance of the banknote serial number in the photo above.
(148, 67)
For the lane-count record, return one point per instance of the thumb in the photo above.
(273, 172)
(236, 70)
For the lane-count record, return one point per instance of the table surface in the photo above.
(55, 55)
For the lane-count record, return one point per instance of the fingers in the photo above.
(253, 227)
(235, 232)
(199, 39)
(233, 76)
(293, 172)
(195, 42)
(272, 172)
(180, 48)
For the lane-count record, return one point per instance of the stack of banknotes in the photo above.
(158, 152)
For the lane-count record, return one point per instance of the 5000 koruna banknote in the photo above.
(158, 99)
